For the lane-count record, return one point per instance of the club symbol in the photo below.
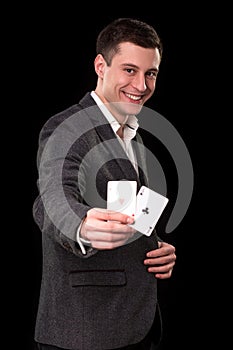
(145, 211)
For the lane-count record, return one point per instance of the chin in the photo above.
(130, 108)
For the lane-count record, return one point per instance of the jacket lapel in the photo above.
(111, 144)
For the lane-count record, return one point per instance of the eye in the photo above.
(152, 74)
(130, 70)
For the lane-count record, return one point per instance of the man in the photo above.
(99, 282)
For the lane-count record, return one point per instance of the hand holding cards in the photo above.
(146, 207)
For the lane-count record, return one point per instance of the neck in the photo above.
(120, 131)
(122, 119)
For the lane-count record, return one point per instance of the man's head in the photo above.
(127, 63)
(126, 30)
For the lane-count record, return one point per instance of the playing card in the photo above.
(149, 207)
(121, 196)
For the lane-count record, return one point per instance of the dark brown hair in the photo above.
(126, 30)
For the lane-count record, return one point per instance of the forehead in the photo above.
(136, 55)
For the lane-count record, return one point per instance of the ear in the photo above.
(99, 64)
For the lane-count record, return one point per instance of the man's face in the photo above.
(130, 79)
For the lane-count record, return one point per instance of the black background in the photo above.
(60, 70)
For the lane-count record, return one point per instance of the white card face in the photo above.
(149, 207)
(121, 196)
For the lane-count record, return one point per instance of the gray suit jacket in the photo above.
(105, 299)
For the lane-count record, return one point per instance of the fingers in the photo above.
(161, 268)
(110, 237)
(163, 276)
(106, 229)
(103, 245)
(107, 226)
(109, 215)
(108, 240)
(162, 271)
(161, 261)
(165, 249)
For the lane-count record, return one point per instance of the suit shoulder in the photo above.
(60, 117)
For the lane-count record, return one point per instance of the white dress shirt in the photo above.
(129, 133)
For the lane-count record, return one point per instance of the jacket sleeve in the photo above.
(60, 207)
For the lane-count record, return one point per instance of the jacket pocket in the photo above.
(98, 278)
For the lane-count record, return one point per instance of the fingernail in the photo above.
(130, 220)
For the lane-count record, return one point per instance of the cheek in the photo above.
(151, 86)
(151, 83)
(113, 83)
(109, 80)
(115, 78)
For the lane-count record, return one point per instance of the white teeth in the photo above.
(135, 98)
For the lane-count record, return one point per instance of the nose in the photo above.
(139, 82)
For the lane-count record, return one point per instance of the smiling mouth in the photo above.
(133, 97)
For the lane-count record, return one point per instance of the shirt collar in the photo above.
(132, 121)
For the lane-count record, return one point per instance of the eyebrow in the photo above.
(135, 66)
